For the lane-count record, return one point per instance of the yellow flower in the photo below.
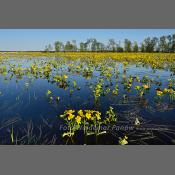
(78, 119)
(65, 76)
(123, 141)
(70, 116)
(171, 91)
(70, 111)
(141, 93)
(137, 87)
(98, 86)
(145, 86)
(98, 115)
(49, 92)
(166, 90)
(80, 113)
(88, 116)
(126, 137)
(159, 93)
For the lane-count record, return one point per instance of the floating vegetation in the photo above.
(123, 141)
(90, 121)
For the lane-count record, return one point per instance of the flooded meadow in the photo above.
(87, 98)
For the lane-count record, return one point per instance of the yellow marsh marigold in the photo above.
(159, 93)
(78, 119)
(171, 91)
(80, 113)
(49, 92)
(70, 111)
(137, 87)
(65, 76)
(88, 116)
(123, 141)
(145, 86)
(98, 115)
(71, 116)
(166, 90)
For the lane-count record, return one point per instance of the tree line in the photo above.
(150, 44)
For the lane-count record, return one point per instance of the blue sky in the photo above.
(36, 39)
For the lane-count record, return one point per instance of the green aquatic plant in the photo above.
(111, 116)
(106, 91)
(12, 135)
(17, 70)
(141, 90)
(74, 83)
(34, 69)
(88, 71)
(58, 99)
(137, 78)
(48, 92)
(46, 70)
(106, 72)
(71, 92)
(98, 90)
(72, 122)
(159, 92)
(90, 120)
(123, 141)
(115, 91)
(61, 80)
(170, 83)
(170, 92)
(125, 63)
(3, 70)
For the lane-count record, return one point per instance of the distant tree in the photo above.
(157, 48)
(170, 43)
(142, 48)
(82, 46)
(127, 45)
(147, 43)
(154, 44)
(97, 46)
(93, 44)
(150, 44)
(135, 47)
(87, 44)
(173, 43)
(101, 47)
(119, 49)
(74, 45)
(68, 46)
(112, 45)
(163, 44)
(58, 46)
(48, 48)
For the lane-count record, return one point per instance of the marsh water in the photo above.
(24, 103)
